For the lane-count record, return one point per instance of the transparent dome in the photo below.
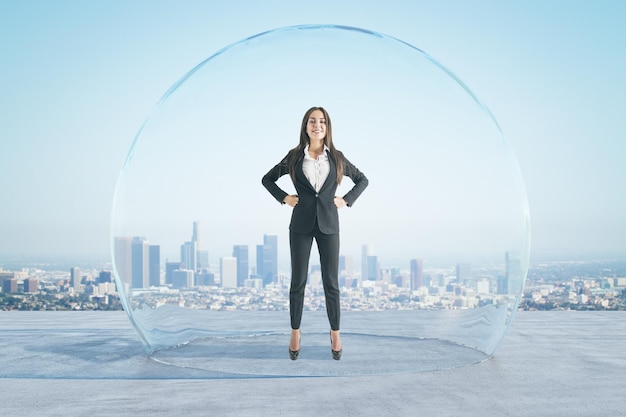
(434, 252)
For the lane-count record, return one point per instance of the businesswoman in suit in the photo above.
(316, 168)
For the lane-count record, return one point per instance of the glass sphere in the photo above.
(434, 252)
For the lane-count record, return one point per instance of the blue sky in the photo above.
(79, 78)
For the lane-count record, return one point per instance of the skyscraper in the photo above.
(123, 258)
(482, 285)
(140, 263)
(202, 259)
(104, 277)
(366, 251)
(417, 274)
(196, 236)
(373, 272)
(188, 255)
(228, 272)
(346, 265)
(182, 278)
(154, 265)
(259, 261)
(170, 267)
(502, 285)
(514, 272)
(75, 278)
(31, 285)
(270, 259)
(201, 255)
(240, 252)
(464, 274)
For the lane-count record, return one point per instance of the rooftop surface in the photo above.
(557, 363)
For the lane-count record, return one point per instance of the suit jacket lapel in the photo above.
(332, 174)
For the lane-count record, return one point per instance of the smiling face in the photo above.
(316, 126)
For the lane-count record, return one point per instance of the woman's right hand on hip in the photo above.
(291, 200)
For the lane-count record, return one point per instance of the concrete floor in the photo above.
(549, 364)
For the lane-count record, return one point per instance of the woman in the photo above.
(316, 168)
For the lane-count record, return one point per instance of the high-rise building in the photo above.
(75, 278)
(201, 255)
(9, 285)
(31, 285)
(196, 236)
(182, 278)
(154, 256)
(346, 265)
(366, 251)
(417, 274)
(228, 272)
(259, 261)
(188, 255)
(104, 277)
(204, 277)
(373, 271)
(269, 267)
(464, 274)
(170, 267)
(203, 259)
(482, 286)
(346, 271)
(502, 285)
(240, 252)
(123, 258)
(140, 263)
(514, 272)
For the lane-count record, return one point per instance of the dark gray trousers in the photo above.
(328, 247)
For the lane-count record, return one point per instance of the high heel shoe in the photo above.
(336, 353)
(293, 354)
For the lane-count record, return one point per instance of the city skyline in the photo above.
(138, 268)
(549, 72)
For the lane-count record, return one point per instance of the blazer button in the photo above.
(317, 195)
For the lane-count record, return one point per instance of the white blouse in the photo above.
(316, 170)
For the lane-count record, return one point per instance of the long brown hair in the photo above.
(298, 152)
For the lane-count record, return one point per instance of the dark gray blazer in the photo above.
(312, 205)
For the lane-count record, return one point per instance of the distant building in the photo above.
(9, 285)
(267, 259)
(514, 272)
(463, 273)
(205, 278)
(170, 267)
(188, 255)
(104, 277)
(346, 266)
(619, 282)
(259, 262)
(31, 285)
(5, 276)
(182, 278)
(482, 286)
(373, 271)
(346, 271)
(203, 259)
(417, 274)
(240, 253)
(366, 252)
(123, 258)
(75, 278)
(196, 235)
(502, 285)
(154, 265)
(140, 262)
(228, 272)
